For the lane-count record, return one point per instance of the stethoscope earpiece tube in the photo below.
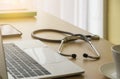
(87, 56)
(91, 45)
(61, 47)
(72, 55)
(75, 37)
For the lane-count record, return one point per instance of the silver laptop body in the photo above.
(54, 63)
(3, 67)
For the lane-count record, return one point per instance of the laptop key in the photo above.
(26, 75)
(32, 73)
(38, 72)
(19, 76)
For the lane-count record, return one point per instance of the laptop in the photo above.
(33, 60)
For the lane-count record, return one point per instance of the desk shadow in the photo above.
(89, 60)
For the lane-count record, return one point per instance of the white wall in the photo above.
(95, 17)
(52, 6)
(68, 10)
(86, 14)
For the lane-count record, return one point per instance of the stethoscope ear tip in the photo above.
(74, 56)
(85, 55)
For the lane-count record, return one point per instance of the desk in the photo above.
(45, 20)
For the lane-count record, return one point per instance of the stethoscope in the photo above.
(70, 37)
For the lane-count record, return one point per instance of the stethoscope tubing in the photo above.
(70, 37)
(33, 34)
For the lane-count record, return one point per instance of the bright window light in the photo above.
(15, 4)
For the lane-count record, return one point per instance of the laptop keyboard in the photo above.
(20, 64)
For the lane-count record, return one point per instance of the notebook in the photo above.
(33, 60)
